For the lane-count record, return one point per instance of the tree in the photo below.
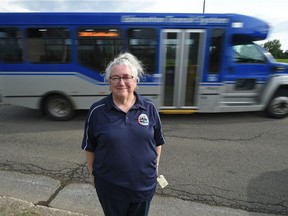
(274, 47)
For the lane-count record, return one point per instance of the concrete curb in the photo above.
(10, 206)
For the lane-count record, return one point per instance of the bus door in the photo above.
(181, 60)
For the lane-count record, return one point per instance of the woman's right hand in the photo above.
(92, 180)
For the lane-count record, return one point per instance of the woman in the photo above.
(122, 142)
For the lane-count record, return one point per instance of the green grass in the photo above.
(8, 212)
(27, 214)
(282, 60)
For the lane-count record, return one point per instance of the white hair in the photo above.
(131, 61)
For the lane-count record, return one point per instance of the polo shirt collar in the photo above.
(140, 102)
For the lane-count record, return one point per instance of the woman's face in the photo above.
(122, 83)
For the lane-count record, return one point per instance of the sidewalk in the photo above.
(32, 194)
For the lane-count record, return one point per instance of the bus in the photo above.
(204, 63)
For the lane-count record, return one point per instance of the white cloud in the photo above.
(12, 7)
(73, 5)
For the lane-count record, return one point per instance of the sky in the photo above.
(273, 12)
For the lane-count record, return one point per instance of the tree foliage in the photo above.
(274, 47)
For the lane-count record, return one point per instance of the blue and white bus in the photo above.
(194, 62)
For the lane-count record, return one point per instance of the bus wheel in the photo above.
(58, 108)
(278, 106)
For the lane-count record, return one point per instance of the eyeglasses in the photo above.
(126, 79)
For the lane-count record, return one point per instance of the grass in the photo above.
(282, 60)
(8, 212)
(27, 214)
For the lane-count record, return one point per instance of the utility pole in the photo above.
(204, 6)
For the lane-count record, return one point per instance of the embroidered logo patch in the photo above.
(143, 119)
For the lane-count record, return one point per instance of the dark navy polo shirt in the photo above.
(124, 144)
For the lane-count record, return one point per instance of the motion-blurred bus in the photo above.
(194, 62)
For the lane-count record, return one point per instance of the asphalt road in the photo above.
(237, 160)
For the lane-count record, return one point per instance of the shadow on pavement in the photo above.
(268, 193)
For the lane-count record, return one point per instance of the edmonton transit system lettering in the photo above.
(170, 19)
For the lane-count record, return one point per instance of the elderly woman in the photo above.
(122, 142)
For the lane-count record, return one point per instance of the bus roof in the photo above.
(239, 24)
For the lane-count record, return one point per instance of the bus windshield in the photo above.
(248, 53)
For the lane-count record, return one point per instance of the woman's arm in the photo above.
(89, 159)
(158, 150)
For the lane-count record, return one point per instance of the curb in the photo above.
(10, 206)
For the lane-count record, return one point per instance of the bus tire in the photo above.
(278, 106)
(58, 108)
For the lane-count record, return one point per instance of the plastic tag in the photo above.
(162, 181)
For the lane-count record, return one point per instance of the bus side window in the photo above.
(215, 50)
(142, 43)
(11, 49)
(48, 45)
(97, 47)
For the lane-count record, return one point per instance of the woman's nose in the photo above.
(121, 80)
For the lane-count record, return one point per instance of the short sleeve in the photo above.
(88, 142)
(158, 132)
